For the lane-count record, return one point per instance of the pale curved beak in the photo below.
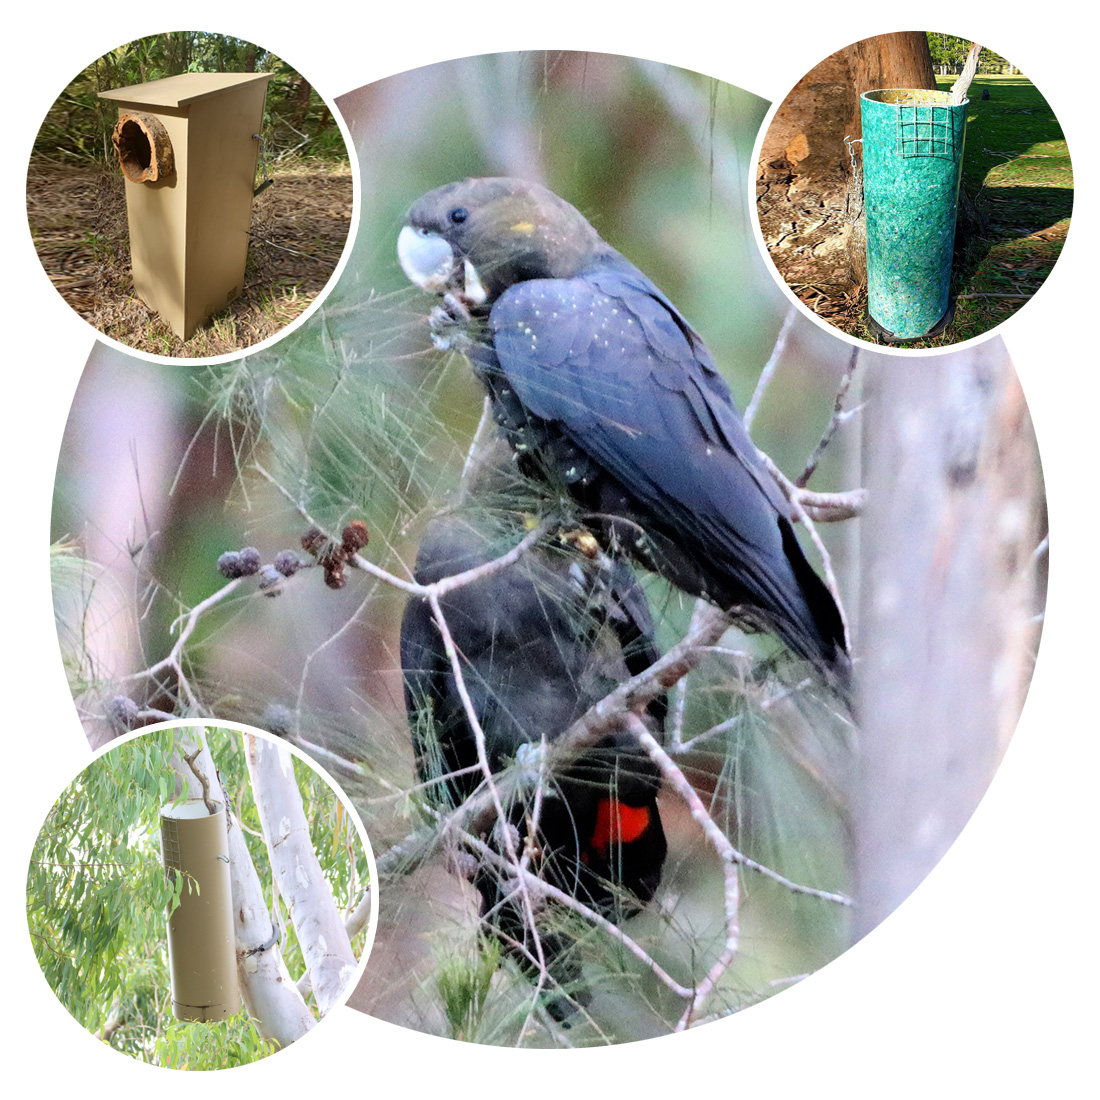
(426, 258)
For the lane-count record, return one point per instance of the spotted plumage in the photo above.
(602, 387)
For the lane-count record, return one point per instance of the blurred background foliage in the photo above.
(949, 54)
(296, 120)
(98, 899)
(355, 416)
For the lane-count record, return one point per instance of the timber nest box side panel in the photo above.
(202, 953)
(188, 147)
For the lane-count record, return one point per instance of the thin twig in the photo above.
(675, 724)
(475, 814)
(190, 620)
(474, 722)
(726, 852)
(255, 237)
(541, 886)
(440, 587)
(795, 495)
(331, 639)
(769, 367)
(639, 691)
(838, 417)
(470, 462)
(959, 297)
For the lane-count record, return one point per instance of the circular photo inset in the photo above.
(190, 194)
(914, 189)
(664, 639)
(199, 897)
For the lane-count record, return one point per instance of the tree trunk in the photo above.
(301, 99)
(808, 198)
(325, 944)
(266, 987)
(952, 589)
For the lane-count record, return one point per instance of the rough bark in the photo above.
(951, 593)
(807, 198)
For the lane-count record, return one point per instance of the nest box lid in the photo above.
(179, 91)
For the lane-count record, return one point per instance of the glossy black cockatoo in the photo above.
(540, 642)
(604, 389)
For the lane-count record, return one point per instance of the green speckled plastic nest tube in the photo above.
(912, 163)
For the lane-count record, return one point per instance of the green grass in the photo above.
(1013, 139)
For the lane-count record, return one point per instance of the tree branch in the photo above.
(769, 367)
(545, 889)
(838, 418)
(487, 773)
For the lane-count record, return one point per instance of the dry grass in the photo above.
(77, 216)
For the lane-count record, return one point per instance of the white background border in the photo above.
(981, 984)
